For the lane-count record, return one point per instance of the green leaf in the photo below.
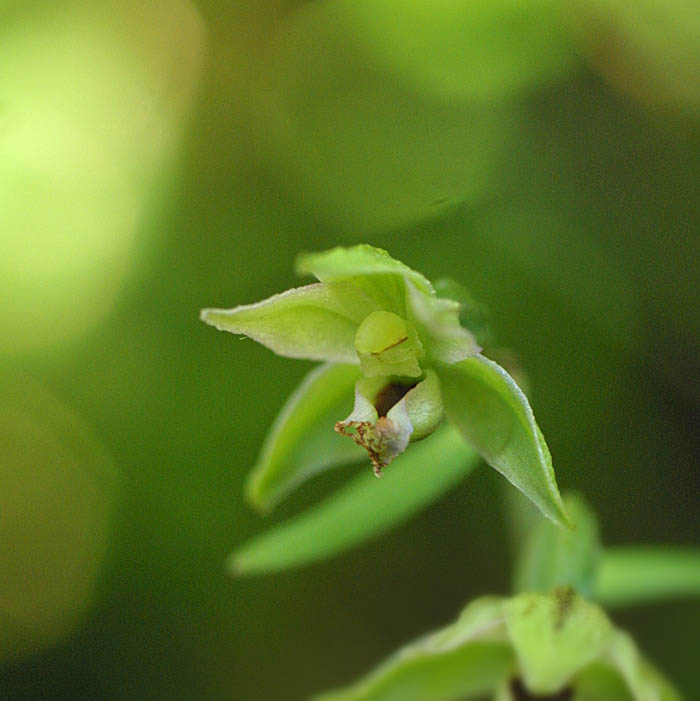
(555, 636)
(494, 415)
(638, 574)
(556, 557)
(362, 509)
(644, 682)
(469, 657)
(317, 322)
(372, 269)
(302, 440)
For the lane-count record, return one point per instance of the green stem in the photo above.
(635, 575)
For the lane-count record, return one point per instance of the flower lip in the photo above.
(390, 394)
(391, 412)
(383, 441)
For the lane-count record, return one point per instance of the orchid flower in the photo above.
(554, 646)
(392, 344)
(551, 640)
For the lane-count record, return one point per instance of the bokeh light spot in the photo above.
(57, 492)
(91, 103)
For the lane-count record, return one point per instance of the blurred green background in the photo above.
(159, 157)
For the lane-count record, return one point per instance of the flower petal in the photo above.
(555, 636)
(424, 406)
(494, 415)
(316, 322)
(438, 319)
(472, 315)
(302, 441)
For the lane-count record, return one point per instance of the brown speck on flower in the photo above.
(564, 598)
(360, 432)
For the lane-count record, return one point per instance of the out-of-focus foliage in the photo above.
(57, 492)
(477, 51)
(92, 100)
(563, 191)
(647, 48)
(547, 641)
(551, 558)
(632, 575)
(368, 148)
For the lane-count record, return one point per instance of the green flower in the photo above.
(532, 646)
(387, 337)
(552, 640)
